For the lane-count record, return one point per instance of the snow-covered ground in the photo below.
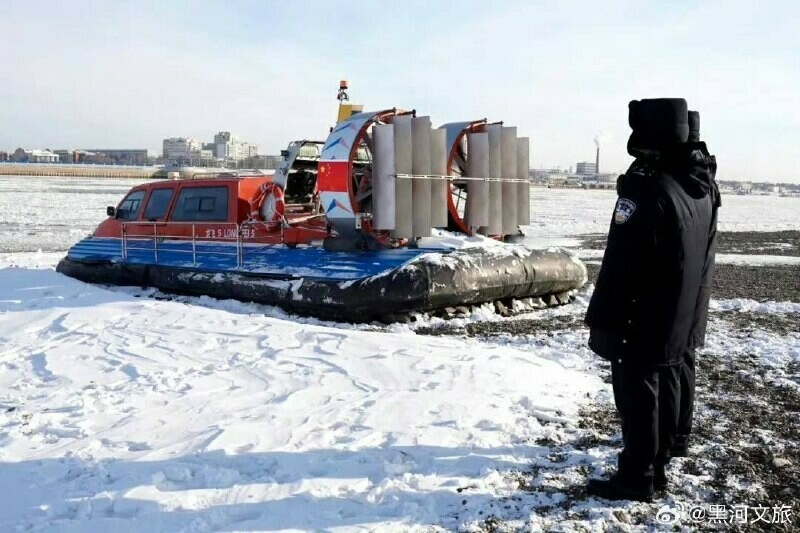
(567, 212)
(50, 214)
(122, 411)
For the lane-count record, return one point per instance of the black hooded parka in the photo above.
(651, 299)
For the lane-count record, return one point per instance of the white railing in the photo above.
(222, 232)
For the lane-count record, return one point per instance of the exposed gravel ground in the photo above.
(750, 323)
(745, 242)
(520, 326)
(745, 449)
(746, 445)
(772, 243)
(761, 283)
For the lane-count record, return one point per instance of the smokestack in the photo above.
(597, 160)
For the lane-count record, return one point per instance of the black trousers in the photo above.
(647, 399)
(686, 410)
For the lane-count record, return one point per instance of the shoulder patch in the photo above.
(624, 210)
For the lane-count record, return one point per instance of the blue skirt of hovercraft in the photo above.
(278, 261)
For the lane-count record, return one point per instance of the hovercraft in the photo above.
(387, 217)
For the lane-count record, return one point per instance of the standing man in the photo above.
(698, 335)
(645, 304)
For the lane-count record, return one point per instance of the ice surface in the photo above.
(558, 213)
(51, 214)
(124, 407)
(120, 411)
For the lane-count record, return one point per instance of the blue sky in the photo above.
(127, 74)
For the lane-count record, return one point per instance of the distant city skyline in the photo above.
(128, 75)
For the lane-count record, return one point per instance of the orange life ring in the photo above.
(268, 205)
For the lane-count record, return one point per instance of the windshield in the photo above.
(129, 208)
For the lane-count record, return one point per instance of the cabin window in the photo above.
(201, 204)
(129, 208)
(157, 204)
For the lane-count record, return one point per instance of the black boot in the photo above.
(680, 448)
(616, 488)
(659, 478)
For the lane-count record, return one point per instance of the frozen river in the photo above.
(50, 214)
(124, 412)
(557, 212)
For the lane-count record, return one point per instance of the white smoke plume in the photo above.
(602, 137)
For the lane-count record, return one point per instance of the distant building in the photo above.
(271, 161)
(21, 155)
(230, 148)
(103, 156)
(262, 161)
(226, 150)
(599, 181)
(760, 188)
(585, 168)
(206, 157)
(222, 144)
(547, 175)
(182, 150)
(65, 156)
(135, 157)
(251, 149)
(3, 156)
